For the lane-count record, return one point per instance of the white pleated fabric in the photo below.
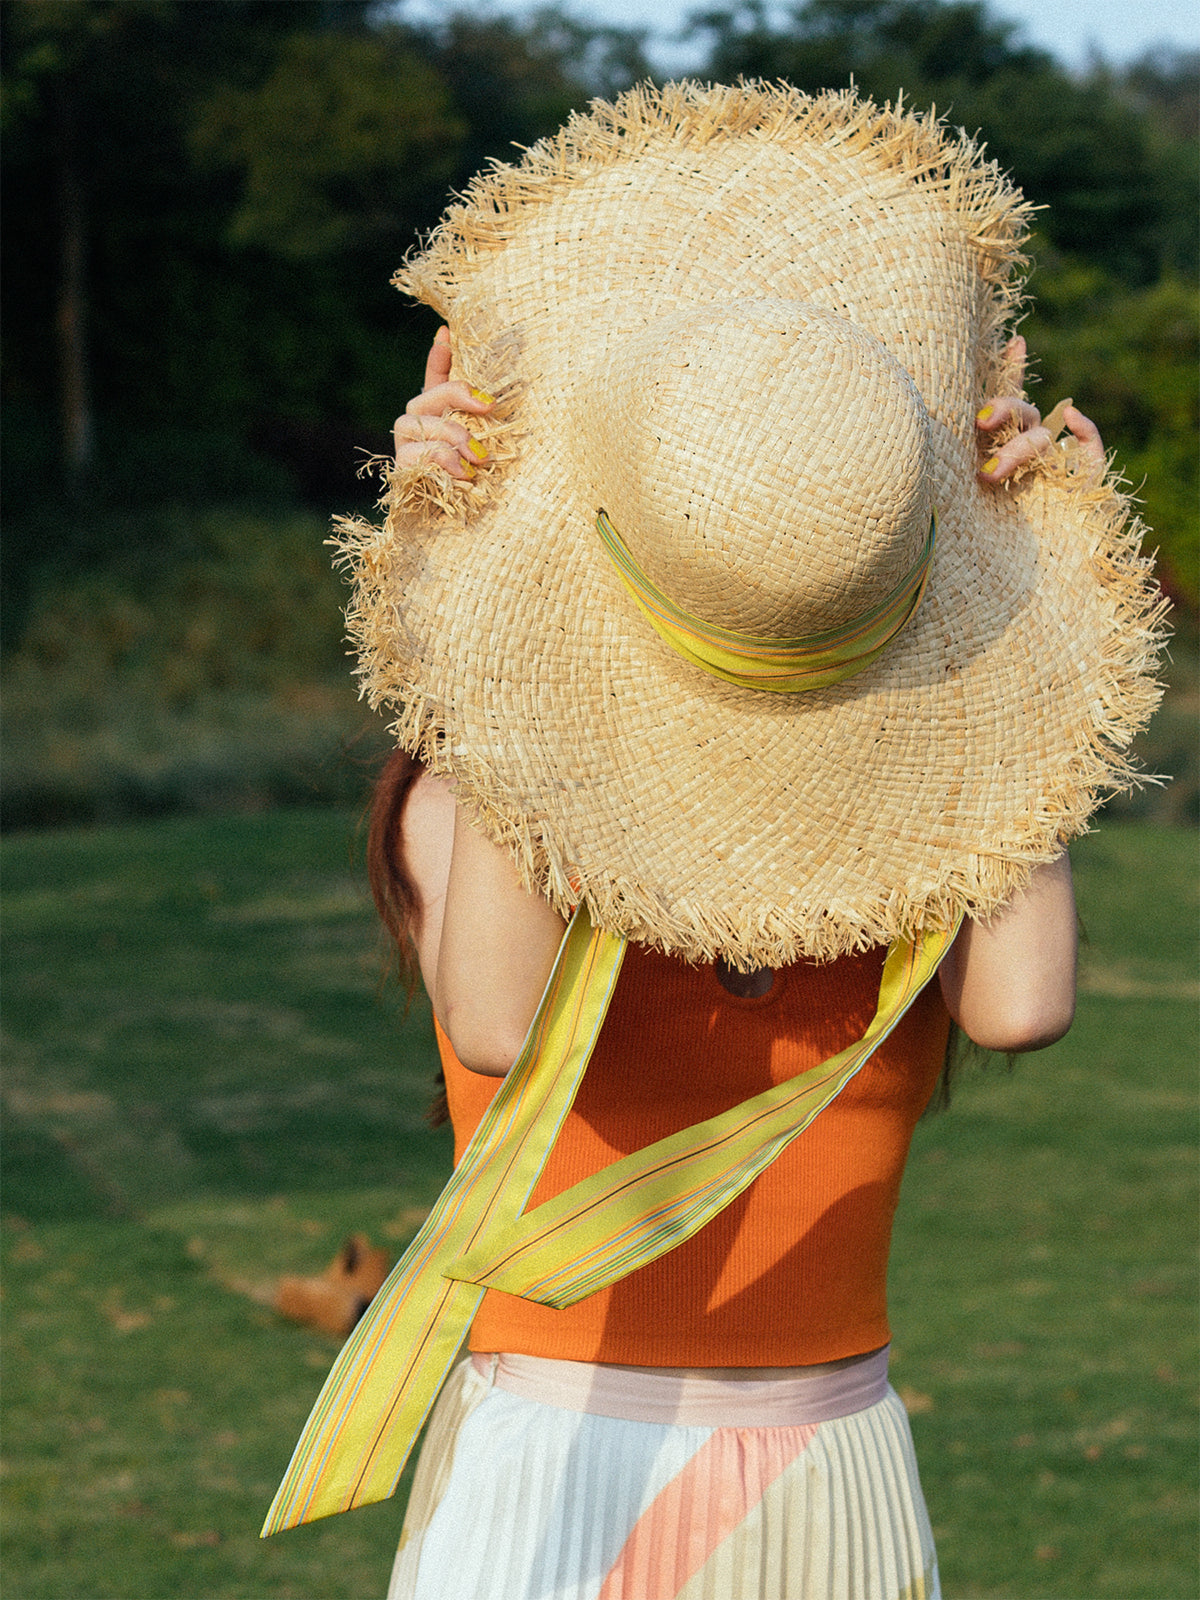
(518, 1500)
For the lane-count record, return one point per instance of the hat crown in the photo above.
(767, 462)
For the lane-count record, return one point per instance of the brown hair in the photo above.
(393, 889)
(394, 892)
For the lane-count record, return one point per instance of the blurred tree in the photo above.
(336, 145)
(1162, 84)
(113, 238)
(205, 198)
(1134, 354)
(44, 73)
(515, 80)
(208, 197)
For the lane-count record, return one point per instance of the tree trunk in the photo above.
(75, 406)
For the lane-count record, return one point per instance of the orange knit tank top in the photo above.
(794, 1271)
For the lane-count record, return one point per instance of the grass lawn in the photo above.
(206, 1085)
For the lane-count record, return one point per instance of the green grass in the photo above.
(1043, 1276)
(205, 1086)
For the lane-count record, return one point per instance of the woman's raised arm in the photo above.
(1009, 982)
(497, 946)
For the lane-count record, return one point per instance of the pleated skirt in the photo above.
(518, 1500)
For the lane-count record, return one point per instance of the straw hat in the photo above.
(753, 328)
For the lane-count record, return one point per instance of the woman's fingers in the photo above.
(425, 433)
(996, 413)
(1001, 461)
(438, 439)
(1035, 438)
(437, 362)
(413, 428)
(438, 393)
(456, 396)
(1017, 453)
(1015, 356)
(1091, 445)
(1036, 435)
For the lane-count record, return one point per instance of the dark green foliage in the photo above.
(190, 324)
(235, 184)
(336, 147)
(515, 81)
(1131, 356)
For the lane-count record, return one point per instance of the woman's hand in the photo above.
(1036, 436)
(425, 433)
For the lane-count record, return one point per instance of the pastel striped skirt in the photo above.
(516, 1498)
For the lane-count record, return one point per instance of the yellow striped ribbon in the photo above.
(638, 1208)
(783, 666)
(382, 1385)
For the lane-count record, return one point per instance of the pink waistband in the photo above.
(789, 1396)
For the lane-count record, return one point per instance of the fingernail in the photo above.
(477, 450)
(982, 416)
(990, 465)
(484, 396)
(468, 470)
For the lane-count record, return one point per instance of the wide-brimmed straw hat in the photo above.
(749, 331)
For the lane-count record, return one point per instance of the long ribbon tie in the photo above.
(383, 1384)
(387, 1376)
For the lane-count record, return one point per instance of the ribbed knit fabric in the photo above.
(793, 1272)
(549, 1504)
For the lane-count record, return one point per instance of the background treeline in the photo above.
(204, 200)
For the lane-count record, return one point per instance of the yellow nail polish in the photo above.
(982, 416)
(484, 396)
(991, 465)
(468, 470)
(478, 450)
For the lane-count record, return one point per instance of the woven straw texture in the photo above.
(755, 328)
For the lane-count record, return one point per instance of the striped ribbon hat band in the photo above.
(782, 666)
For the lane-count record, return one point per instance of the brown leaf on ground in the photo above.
(334, 1302)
